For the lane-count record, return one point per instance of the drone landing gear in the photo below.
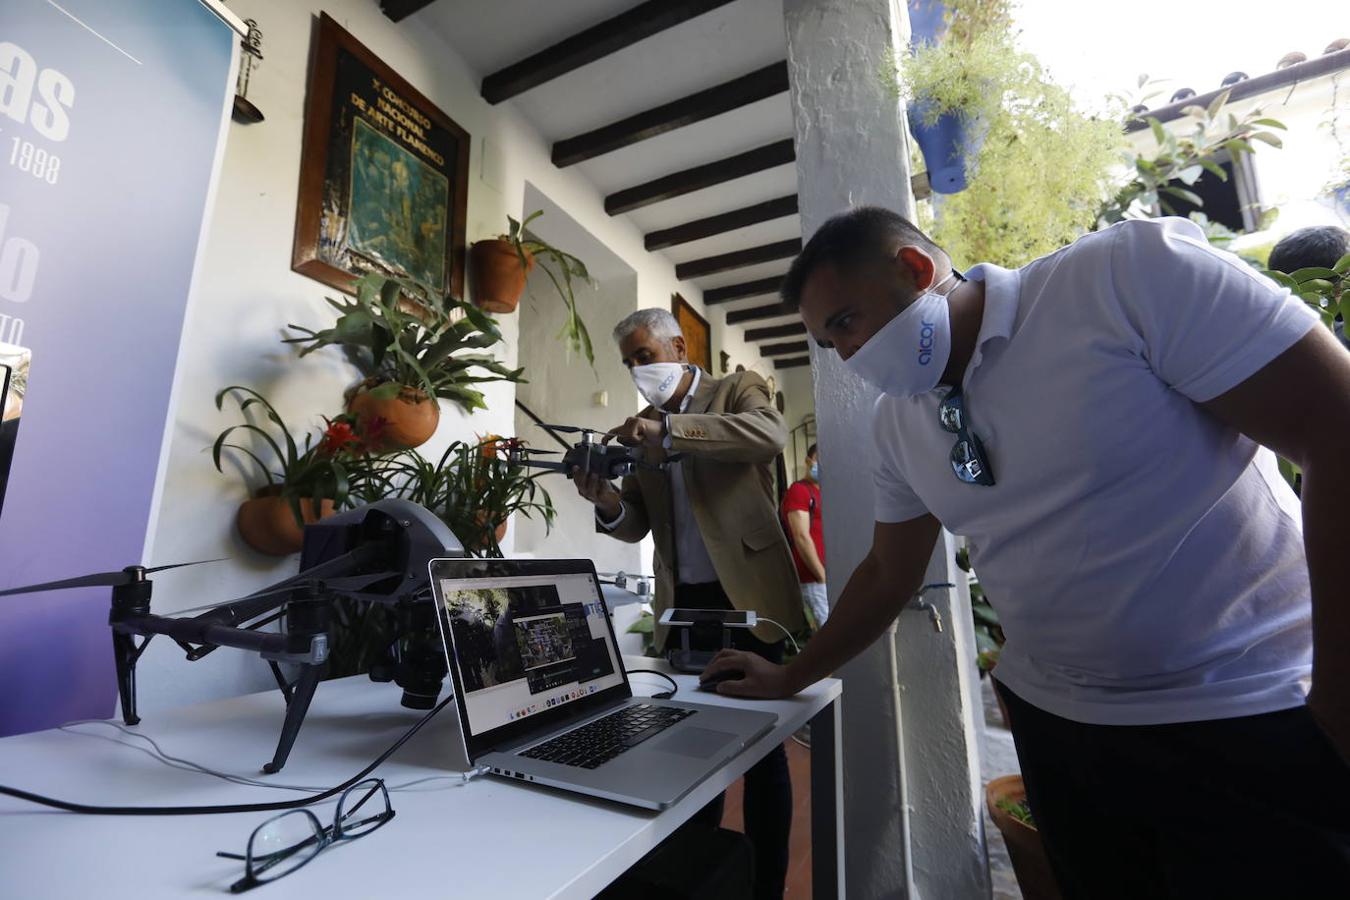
(125, 654)
(298, 695)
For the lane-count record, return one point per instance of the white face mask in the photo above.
(908, 355)
(658, 382)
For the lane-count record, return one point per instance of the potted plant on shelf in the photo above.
(410, 354)
(300, 486)
(499, 266)
(1006, 799)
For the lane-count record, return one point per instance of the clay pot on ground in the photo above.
(410, 417)
(496, 277)
(267, 523)
(1034, 875)
(480, 518)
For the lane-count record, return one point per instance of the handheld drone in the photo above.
(375, 554)
(589, 455)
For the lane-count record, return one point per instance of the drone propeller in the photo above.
(125, 576)
(572, 429)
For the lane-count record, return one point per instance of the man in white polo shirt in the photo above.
(1092, 423)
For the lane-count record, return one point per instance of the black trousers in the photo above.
(768, 785)
(1251, 807)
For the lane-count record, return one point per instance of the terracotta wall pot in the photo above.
(267, 523)
(495, 275)
(410, 419)
(1025, 849)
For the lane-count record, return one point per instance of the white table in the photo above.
(488, 838)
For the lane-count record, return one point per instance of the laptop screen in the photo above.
(527, 638)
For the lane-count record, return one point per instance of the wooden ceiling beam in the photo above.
(737, 316)
(398, 10)
(596, 42)
(758, 85)
(721, 224)
(775, 331)
(795, 362)
(714, 296)
(711, 174)
(787, 349)
(738, 259)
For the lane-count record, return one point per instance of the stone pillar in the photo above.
(852, 149)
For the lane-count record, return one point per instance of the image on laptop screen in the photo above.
(527, 644)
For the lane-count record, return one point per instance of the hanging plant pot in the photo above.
(1034, 875)
(948, 146)
(394, 416)
(267, 523)
(496, 276)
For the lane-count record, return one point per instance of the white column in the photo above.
(852, 150)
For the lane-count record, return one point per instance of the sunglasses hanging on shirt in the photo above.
(968, 458)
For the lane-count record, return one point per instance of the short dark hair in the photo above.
(811, 451)
(858, 236)
(1320, 245)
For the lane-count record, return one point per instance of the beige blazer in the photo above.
(730, 435)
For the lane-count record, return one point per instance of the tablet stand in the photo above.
(693, 654)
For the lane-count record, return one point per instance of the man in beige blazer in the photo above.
(713, 516)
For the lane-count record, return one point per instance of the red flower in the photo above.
(339, 437)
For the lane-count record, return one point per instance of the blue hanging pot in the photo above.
(949, 143)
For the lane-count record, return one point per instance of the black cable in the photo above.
(674, 688)
(214, 810)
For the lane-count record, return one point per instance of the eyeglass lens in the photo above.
(283, 844)
(363, 808)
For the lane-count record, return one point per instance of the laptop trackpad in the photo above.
(700, 743)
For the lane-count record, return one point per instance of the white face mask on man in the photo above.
(908, 355)
(658, 382)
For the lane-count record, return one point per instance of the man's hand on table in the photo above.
(760, 679)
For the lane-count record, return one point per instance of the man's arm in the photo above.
(799, 527)
(1299, 406)
(626, 506)
(876, 592)
(750, 431)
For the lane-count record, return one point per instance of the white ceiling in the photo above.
(701, 53)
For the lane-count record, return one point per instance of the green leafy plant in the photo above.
(396, 341)
(989, 637)
(1160, 178)
(1322, 289)
(645, 625)
(472, 487)
(1018, 809)
(563, 269)
(1043, 167)
(322, 469)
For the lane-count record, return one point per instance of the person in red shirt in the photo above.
(801, 512)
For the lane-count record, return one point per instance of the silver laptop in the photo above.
(543, 696)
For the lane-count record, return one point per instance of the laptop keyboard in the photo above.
(600, 741)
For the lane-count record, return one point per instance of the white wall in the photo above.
(799, 401)
(246, 294)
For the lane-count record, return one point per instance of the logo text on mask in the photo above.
(925, 343)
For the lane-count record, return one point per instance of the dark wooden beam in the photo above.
(735, 317)
(738, 259)
(714, 296)
(721, 224)
(677, 184)
(610, 36)
(775, 331)
(789, 348)
(398, 10)
(734, 94)
(794, 363)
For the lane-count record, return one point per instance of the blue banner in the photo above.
(111, 118)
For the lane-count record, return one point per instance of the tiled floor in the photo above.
(799, 846)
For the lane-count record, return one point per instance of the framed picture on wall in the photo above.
(384, 175)
(697, 334)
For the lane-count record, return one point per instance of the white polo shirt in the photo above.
(1146, 561)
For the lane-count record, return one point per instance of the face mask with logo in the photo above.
(908, 355)
(657, 382)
